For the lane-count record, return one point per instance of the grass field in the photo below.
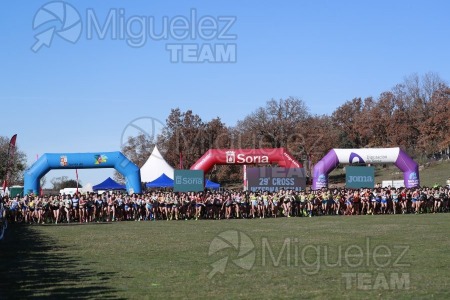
(402, 257)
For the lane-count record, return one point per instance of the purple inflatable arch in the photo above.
(396, 156)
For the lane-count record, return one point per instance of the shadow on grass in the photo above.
(33, 265)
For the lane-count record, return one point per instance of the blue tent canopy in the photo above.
(164, 181)
(109, 184)
(212, 185)
(161, 181)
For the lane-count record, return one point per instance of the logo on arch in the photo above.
(100, 159)
(322, 178)
(230, 157)
(355, 159)
(413, 176)
(63, 160)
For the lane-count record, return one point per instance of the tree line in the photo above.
(413, 115)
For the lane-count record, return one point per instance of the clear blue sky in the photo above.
(80, 97)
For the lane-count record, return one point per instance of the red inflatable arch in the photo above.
(245, 157)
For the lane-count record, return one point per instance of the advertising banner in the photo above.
(359, 177)
(274, 179)
(188, 181)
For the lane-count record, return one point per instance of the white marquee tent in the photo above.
(155, 166)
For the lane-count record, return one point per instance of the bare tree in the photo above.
(273, 125)
(137, 149)
(183, 137)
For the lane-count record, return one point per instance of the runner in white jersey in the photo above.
(68, 207)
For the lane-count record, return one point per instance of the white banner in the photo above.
(398, 183)
(386, 183)
(367, 156)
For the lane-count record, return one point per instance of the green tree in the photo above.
(63, 182)
(16, 167)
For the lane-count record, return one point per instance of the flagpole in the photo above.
(245, 178)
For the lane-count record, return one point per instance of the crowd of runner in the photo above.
(166, 205)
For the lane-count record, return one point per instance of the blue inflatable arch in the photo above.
(95, 160)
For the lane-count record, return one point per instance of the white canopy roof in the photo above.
(87, 188)
(155, 166)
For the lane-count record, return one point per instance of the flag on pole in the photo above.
(10, 157)
(245, 178)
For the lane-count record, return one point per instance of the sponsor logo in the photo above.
(322, 181)
(376, 158)
(100, 159)
(230, 157)
(355, 159)
(63, 161)
(322, 178)
(352, 179)
(255, 159)
(359, 177)
(187, 180)
(413, 180)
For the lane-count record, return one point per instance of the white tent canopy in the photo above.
(155, 166)
(87, 188)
